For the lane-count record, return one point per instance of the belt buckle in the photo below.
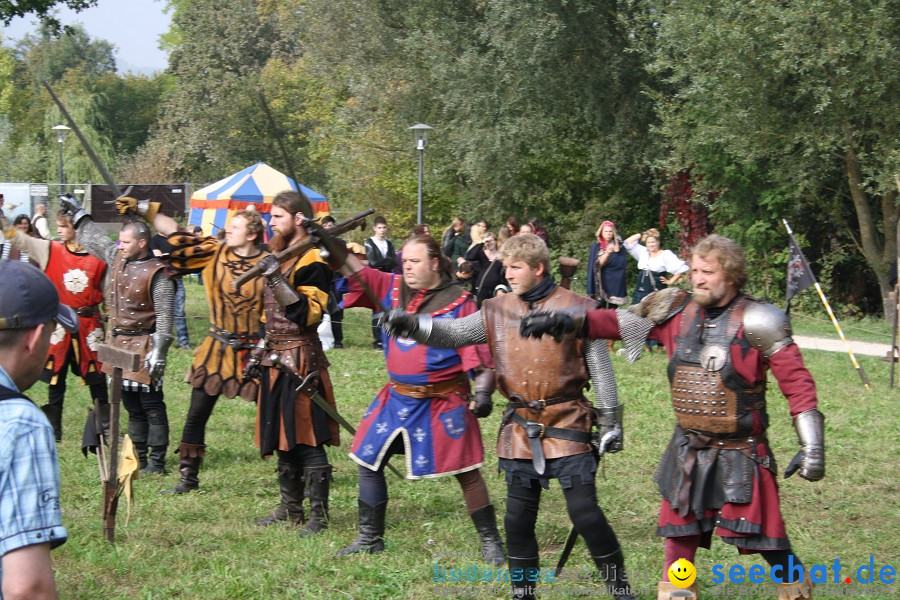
(534, 429)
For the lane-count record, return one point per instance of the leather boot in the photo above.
(485, 520)
(290, 483)
(156, 465)
(158, 440)
(137, 431)
(54, 415)
(527, 586)
(318, 481)
(796, 590)
(665, 591)
(189, 461)
(612, 572)
(370, 538)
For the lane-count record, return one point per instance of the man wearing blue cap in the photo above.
(30, 519)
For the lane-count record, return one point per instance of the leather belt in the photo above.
(699, 441)
(538, 405)
(120, 331)
(87, 311)
(537, 431)
(432, 390)
(289, 341)
(235, 340)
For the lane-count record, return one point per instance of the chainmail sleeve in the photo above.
(603, 379)
(455, 333)
(93, 239)
(634, 330)
(163, 291)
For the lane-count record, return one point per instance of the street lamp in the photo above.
(60, 135)
(420, 134)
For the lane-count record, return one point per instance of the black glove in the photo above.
(252, 369)
(482, 405)
(553, 323)
(400, 323)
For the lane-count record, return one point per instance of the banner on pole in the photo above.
(799, 275)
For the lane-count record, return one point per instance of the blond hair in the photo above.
(528, 248)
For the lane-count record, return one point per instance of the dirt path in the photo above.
(836, 345)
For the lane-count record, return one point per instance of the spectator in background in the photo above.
(31, 520)
(23, 224)
(464, 277)
(607, 265)
(653, 263)
(455, 242)
(381, 256)
(508, 230)
(539, 230)
(526, 228)
(476, 232)
(481, 256)
(39, 222)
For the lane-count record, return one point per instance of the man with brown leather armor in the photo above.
(140, 297)
(290, 422)
(546, 429)
(718, 472)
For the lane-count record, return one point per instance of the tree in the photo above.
(802, 94)
(41, 8)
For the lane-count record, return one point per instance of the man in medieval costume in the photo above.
(424, 411)
(718, 472)
(290, 423)
(546, 429)
(80, 280)
(235, 321)
(140, 297)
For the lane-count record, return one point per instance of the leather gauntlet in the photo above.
(482, 405)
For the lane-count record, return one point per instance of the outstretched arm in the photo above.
(439, 333)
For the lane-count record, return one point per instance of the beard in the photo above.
(708, 298)
(277, 243)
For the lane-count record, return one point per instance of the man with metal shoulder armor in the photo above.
(546, 429)
(140, 297)
(718, 472)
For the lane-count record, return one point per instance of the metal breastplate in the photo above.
(708, 395)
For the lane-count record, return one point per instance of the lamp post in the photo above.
(420, 133)
(60, 135)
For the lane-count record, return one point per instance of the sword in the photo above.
(87, 147)
(307, 386)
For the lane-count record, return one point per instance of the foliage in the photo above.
(42, 9)
(802, 91)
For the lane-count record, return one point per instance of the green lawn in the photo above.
(206, 546)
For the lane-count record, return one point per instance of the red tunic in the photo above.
(758, 524)
(78, 278)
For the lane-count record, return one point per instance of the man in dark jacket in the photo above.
(381, 256)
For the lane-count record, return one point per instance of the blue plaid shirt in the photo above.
(29, 477)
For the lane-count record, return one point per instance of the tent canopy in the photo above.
(257, 185)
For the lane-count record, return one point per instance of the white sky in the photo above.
(132, 26)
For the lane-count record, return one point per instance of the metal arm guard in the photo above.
(810, 426)
(767, 328)
(156, 358)
(609, 436)
(252, 370)
(284, 294)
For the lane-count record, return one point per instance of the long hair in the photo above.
(434, 251)
(294, 202)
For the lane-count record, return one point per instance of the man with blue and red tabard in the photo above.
(424, 411)
(718, 472)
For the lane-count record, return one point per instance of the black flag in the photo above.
(799, 275)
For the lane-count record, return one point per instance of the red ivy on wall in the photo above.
(692, 216)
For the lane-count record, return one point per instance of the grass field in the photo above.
(205, 545)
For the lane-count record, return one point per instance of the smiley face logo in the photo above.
(682, 573)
